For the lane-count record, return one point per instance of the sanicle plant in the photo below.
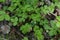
(27, 28)
(4, 16)
(26, 17)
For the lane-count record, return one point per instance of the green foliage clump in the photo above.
(35, 17)
(14, 20)
(4, 16)
(30, 16)
(38, 33)
(26, 28)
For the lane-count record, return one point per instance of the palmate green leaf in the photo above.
(35, 17)
(25, 38)
(12, 7)
(31, 2)
(21, 19)
(26, 28)
(45, 21)
(37, 10)
(52, 32)
(14, 20)
(36, 27)
(44, 9)
(1, 18)
(51, 8)
(47, 9)
(53, 24)
(18, 12)
(27, 8)
(15, 23)
(46, 27)
(38, 32)
(41, 22)
(34, 3)
(5, 7)
(23, 16)
(39, 35)
(58, 21)
(2, 14)
(7, 17)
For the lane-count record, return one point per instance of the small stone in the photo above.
(5, 29)
(47, 2)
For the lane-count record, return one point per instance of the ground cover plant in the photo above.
(29, 19)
